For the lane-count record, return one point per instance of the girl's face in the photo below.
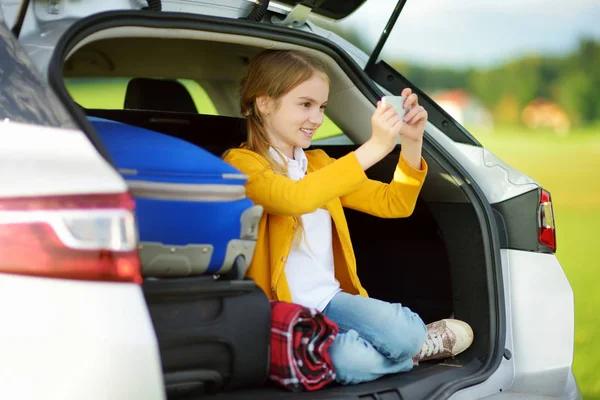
(298, 115)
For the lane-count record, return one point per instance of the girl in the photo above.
(303, 253)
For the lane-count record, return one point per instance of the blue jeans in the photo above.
(376, 337)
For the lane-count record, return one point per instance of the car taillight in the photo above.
(89, 237)
(546, 226)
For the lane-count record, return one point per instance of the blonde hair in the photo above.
(273, 73)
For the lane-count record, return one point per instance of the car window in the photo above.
(327, 132)
(24, 96)
(109, 94)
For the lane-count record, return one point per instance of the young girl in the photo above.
(304, 253)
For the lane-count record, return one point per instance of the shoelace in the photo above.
(434, 344)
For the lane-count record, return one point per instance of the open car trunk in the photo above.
(436, 262)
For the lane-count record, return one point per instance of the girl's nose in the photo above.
(317, 117)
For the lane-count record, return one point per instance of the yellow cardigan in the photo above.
(331, 184)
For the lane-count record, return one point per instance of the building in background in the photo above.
(465, 108)
(542, 113)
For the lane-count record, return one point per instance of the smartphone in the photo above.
(397, 102)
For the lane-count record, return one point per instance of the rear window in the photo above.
(109, 93)
(24, 96)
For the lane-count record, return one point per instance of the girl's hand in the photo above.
(386, 125)
(414, 121)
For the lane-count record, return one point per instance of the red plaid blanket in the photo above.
(300, 338)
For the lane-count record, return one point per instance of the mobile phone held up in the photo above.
(397, 102)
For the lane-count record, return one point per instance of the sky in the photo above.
(461, 33)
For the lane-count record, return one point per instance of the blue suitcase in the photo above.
(193, 215)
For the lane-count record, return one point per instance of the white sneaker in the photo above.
(445, 338)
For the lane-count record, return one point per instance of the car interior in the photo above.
(433, 261)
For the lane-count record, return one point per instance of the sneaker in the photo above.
(445, 338)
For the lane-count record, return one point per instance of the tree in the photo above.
(572, 82)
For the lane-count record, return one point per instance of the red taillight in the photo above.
(546, 226)
(89, 237)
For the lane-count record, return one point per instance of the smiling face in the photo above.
(293, 120)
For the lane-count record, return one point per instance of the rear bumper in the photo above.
(571, 392)
(542, 321)
(63, 339)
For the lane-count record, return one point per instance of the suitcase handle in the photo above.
(198, 380)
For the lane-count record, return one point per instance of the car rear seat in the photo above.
(165, 106)
(212, 132)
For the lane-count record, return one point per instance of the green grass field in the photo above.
(567, 166)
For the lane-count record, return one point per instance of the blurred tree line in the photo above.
(573, 82)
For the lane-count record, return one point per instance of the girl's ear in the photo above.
(264, 104)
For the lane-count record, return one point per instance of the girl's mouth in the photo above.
(307, 132)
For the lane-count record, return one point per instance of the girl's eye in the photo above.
(307, 105)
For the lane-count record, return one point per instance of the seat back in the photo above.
(214, 133)
(158, 95)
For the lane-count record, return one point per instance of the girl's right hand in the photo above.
(386, 125)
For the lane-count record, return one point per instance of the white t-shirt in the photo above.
(309, 268)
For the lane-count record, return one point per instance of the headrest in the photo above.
(158, 95)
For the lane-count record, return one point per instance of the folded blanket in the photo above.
(300, 338)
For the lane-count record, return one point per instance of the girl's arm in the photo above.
(281, 195)
(398, 198)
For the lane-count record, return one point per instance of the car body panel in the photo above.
(496, 179)
(570, 392)
(69, 339)
(41, 152)
(542, 308)
(25, 97)
(39, 161)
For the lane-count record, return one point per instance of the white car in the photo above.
(76, 326)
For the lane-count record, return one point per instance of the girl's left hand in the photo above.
(414, 120)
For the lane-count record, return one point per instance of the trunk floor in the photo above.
(414, 385)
